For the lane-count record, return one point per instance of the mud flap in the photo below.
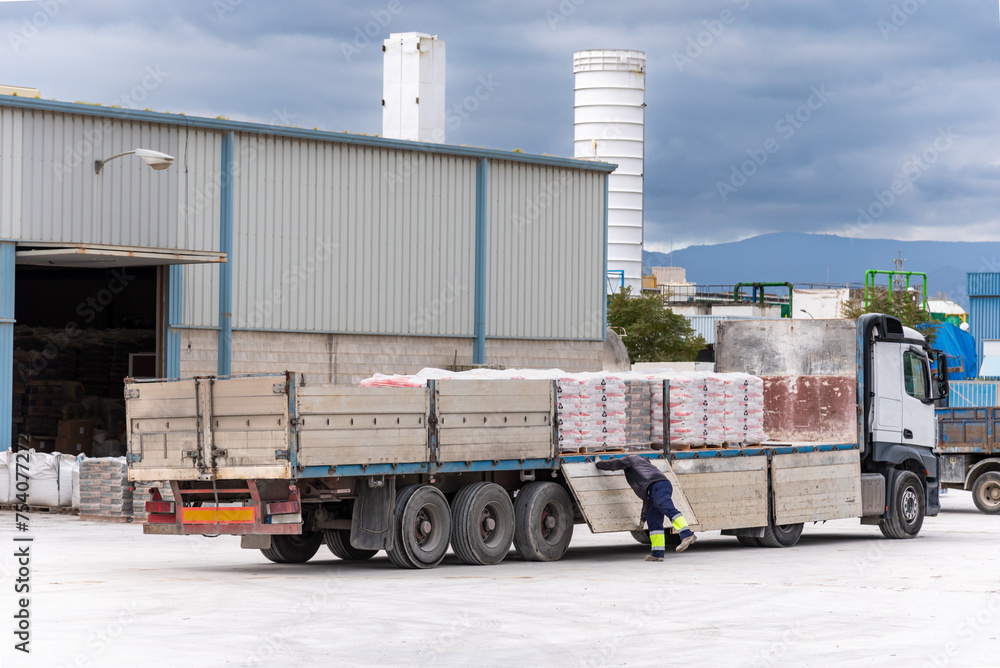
(374, 515)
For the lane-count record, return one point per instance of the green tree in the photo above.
(652, 333)
(908, 307)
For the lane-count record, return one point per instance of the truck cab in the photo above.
(899, 391)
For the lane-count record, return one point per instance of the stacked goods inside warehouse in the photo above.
(623, 411)
(68, 390)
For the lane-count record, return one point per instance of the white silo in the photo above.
(609, 122)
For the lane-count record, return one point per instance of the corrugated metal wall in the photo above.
(984, 308)
(972, 393)
(128, 204)
(11, 142)
(545, 228)
(704, 325)
(345, 238)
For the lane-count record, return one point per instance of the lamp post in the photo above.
(154, 159)
(807, 313)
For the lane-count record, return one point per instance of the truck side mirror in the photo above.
(942, 374)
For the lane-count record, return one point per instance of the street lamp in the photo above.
(807, 313)
(154, 159)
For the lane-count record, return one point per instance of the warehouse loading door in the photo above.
(85, 319)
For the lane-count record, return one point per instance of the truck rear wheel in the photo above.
(986, 492)
(292, 549)
(543, 521)
(780, 536)
(908, 505)
(482, 523)
(423, 527)
(339, 542)
(749, 541)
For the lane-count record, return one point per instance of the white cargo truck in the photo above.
(475, 464)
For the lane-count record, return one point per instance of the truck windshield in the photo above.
(915, 376)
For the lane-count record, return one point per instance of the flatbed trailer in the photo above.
(476, 465)
(970, 455)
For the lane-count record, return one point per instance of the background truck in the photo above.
(969, 455)
(475, 464)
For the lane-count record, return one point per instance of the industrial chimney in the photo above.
(609, 111)
(413, 87)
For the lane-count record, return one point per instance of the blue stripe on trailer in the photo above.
(424, 467)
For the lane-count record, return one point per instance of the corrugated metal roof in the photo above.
(983, 284)
(155, 117)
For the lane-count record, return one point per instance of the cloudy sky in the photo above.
(865, 118)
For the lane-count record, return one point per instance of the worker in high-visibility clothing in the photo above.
(649, 483)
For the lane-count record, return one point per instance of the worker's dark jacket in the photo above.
(639, 472)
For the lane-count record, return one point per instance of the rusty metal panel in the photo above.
(810, 377)
(494, 419)
(967, 430)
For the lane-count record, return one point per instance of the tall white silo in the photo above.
(609, 125)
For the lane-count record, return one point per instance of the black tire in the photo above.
(641, 536)
(423, 527)
(293, 549)
(749, 541)
(908, 504)
(543, 521)
(780, 536)
(986, 493)
(482, 524)
(339, 542)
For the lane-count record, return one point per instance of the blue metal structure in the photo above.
(984, 307)
(7, 257)
(226, 269)
(479, 344)
(175, 316)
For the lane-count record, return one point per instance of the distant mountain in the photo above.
(825, 258)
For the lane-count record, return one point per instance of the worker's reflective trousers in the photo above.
(661, 504)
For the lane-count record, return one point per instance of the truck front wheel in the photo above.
(291, 549)
(986, 492)
(908, 504)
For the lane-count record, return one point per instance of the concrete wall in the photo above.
(348, 358)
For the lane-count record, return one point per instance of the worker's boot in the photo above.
(651, 557)
(686, 543)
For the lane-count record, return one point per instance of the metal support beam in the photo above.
(7, 260)
(226, 269)
(175, 315)
(479, 344)
(604, 286)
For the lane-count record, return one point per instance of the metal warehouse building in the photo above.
(268, 248)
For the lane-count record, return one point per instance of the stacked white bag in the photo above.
(748, 407)
(69, 466)
(43, 480)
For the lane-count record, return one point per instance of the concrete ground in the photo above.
(106, 595)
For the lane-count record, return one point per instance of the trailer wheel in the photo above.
(339, 542)
(543, 522)
(482, 523)
(986, 492)
(908, 506)
(423, 527)
(292, 549)
(780, 536)
(749, 541)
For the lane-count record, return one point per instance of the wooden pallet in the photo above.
(49, 510)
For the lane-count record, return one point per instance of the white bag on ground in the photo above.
(66, 465)
(75, 496)
(43, 480)
(7, 459)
